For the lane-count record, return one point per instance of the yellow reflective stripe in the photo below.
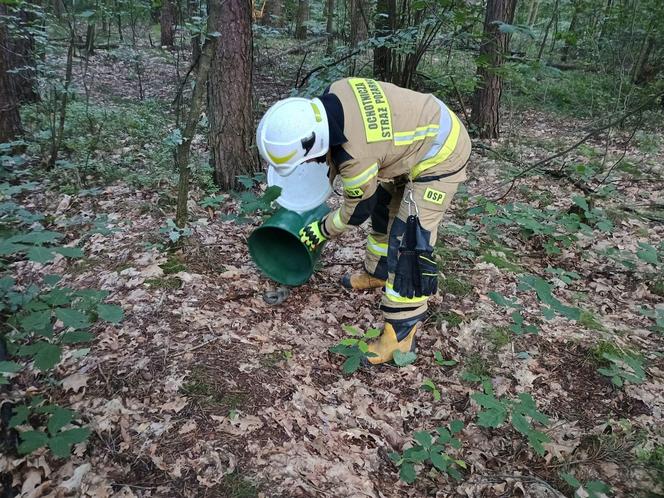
(281, 159)
(394, 296)
(444, 152)
(375, 247)
(336, 220)
(317, 115)
(420, 133)
(374, 107)
(362, 178)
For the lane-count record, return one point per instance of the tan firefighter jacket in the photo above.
(380, 132)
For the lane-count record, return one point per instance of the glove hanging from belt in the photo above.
(417, 273)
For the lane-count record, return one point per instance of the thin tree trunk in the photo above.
(386, 12)
(486, 101)
(570, 39)
(56, 140)
(167, 22)
(330, 27)
(10, 119)
(90, 39)
(532, 12)
(229, 95)
(302, 18)
(182, 151)
(639, 73)
(273, 14)
(546, 32)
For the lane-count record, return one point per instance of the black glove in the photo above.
(429, 273)
(407, 275)
(407, 280)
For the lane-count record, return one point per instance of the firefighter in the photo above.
(401, 156)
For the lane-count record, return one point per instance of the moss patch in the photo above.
(456, 286)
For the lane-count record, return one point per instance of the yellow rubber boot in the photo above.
(361, 281)
(385, 346)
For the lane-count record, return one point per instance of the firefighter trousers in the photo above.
(432, 191)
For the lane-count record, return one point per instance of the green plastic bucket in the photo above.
(276, 248)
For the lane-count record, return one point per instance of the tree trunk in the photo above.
(486, 101)
(546, 32)
(570, 39)
(273, 14)
(641, 67)
(182, 151)
(302, 18)
(21, 52)
(90, 39)
(358, 10)
(532, 12)
(330, 27)
(229, 95)
(10, 119)
(386, 12)
(167, 22)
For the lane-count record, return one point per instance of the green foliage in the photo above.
(455, 285)
(428, 385)
(174, 232)
(499, 337)
(441, 361)
(476, 369)
(173, 264)
(355, 350)
(451, 318)
(431, 450)
(656, 315)
(591, 489)
(623, 368)
(522, 414)
(56, 436)
(653, 461)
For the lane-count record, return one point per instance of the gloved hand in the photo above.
(312, 236)
(429, 273)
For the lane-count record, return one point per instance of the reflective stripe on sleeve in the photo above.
(376, 247)
(362, 178)
(336, 220)
(420, 133)
(444, 152)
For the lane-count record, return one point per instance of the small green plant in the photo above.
(623, 368)
(657, 287)
(456, 286)
(173, 264)
(656, 315)
(58, 439)
(44, 321)
(499, 337)
(591, 489)
(441, 361)
(174, 232)
(213, 201)
(653, 461)
(476, 370)
(356, 351)
(452, 319)
(590, 321)
(428, 385)
(431, 450)
(521, 412)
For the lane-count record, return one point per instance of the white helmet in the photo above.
(293, 131)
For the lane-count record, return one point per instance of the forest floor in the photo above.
(206, 390)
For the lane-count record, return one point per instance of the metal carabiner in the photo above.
(411, 203)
